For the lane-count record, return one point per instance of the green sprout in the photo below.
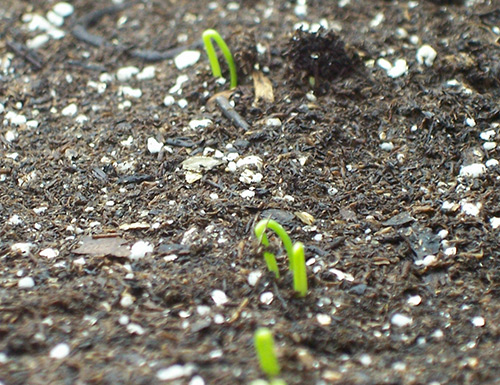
(295, 254)
(264, 346)
(264, 382)
(208, 36)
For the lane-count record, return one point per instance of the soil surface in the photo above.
(128, 200)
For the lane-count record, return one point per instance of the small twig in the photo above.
(24, 52)
(229, 112)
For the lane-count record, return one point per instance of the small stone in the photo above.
(399, 69)
(11, 136)
(130, 92)
(474, 170)
(427, 261)
(490, 163)
(55, 19)
(488, 146)
(33, 124)
(70, 110)
(133, 328)
(197, 380)
(140, 249)
(63, 9)
(154, 147)
(125, 73)
(186, 59)
(387, 146)
(127, 300)
(273, 122)
(247, 194)
(414, 300)
(426, 55)
(487, 135)
(401, 320)
(478, 321)
(49, 253)
(266, 298)
(470, 122)
(495, 222)
(26, 283)
(22, 248)
(15, 220)
(471, 209)
(182, 103)
(147, 73)
(38, 41)
(174, 372)
(168, 100)
(324, 319)
(219, 297)
(200, 123)
(331, 376)
(254, 277)
(60, 351)
(365, 360)
(385, 64)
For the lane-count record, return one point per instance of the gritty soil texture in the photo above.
(377, 311)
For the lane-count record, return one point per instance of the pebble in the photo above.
(490, 163)
(478, 321)
(266, 298)
(154, 147)
(125, 73)
(186, 59)
(273, 122)
(60, 351)
(22, 248)
(174, 372)
(2, 108)
(324, 319)
(177, 87)
(15, 220)
(70, 110)
(488, 146)
(56, 33)
(32, 124)
(427, 261)
(55, 19)
(414, 300)
(38, 41)
(200, 123)
(168, 100)
(147, 73)
(219, 297)
(401, 320)
(63, 9)
(254, 276)
(469, 208)
(249, 177)
(37, 22)
(387, 146)
(11, 136)
(474, 170)
(399, 69)
(130, 92)
(135, 329)
(495, 222)
(26, 283)
(140, 249)
(15, 119)
(182, 103)
(247, 194)
(49, 253)
(300, 9)
(485, 135)
(197, 380)
(470, 122)
(127, 300)
(251, 160)
(426, 55)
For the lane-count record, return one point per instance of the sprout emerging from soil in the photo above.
(264, 382)
(264, 347)
(295, 254)
(208, 36)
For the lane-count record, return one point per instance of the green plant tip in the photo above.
(264, 382)
(264, 346)
(299, 270)
(208, 36)
(260, 233)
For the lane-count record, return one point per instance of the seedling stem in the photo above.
(264, 346)
(208, 36)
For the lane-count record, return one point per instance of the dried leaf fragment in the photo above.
(305, 217)
(263, 87)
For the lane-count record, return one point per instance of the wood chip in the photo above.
(103, 246)
(263, 87)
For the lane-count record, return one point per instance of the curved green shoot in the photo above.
(208, 36)
(264, 382)
(299, 270)
(271, 263)
(260, 232)
(264, 347)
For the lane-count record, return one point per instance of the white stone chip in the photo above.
(200, 123)
(55, 19)
(133, 328)
(247, 194)
(147, 73)
(488, 146)
(273, 122)
(474, 170)
(15, 220)
(38, 22)
(324, 319)
(38, 41)
(186, 59)
(490, 163)
(154, 147)
(56, 33)
(125, 73)
(426, 55)
(60, 351)
(414, 300)
(177, 88)
(399, 69)
(182, 103)
(26, 283)
(219, 297)
(266, 298)
(15, 118)
(63, 9)
(32, 124)
(70, 110)
(131, 92)
(470, 122)
(175, 372)
(495, 222)
(126, 300)
(168, 100)
(478, 321)
(385, 64)
(401, 320)
(11, 136)
(49, 253)
(22, 248)
(387, 146)
(469, 208)
(140, 249)
(487, 135)
(427, 261)
(254, 277)
(251, 160)
(197, 380)
(2, 108)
